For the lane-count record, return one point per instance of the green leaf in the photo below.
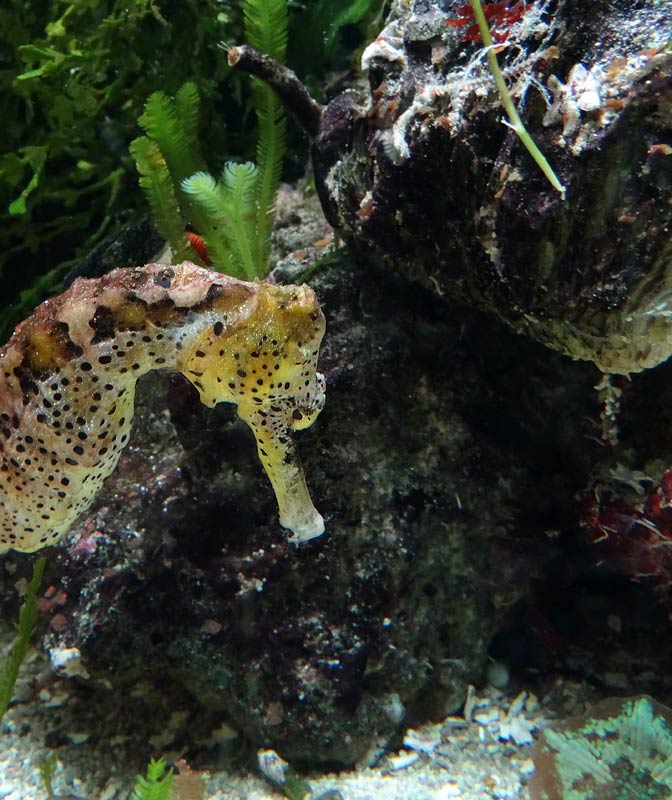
(165, 126)
(240, 184)
(230, 206)
(157, 184)
(34, 157)
(155, 785)
(47, 771)
(173, 126)
(266, 29)
(270, 152)
(266, 23)
(27, 621)
(28, 52)
(187, 106)
(11, 169)
(205, 194)
(296, 787)
(53, 60)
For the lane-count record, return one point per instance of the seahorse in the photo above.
(69, 372)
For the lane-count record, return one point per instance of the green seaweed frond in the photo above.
(74, 79)
(47, 772)
(173, 126)
(188, 107)
(270, 152)
(234, 215)
(266, 23)
(157, 183)
(34, 158)
(27, 622)
(230, 204)
(167, 156)
(156, 785)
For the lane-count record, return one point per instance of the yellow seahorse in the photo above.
(68, 376)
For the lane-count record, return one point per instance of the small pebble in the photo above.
(497, 674)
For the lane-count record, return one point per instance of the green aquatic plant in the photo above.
(156, 784)
(169, 153)
(47, 772)
(73, 80)
(9, 671)
(234, 212)
(266, 25)
(232, 230)
(75, 77)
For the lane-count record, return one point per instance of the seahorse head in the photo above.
(267, 366)
(269, 357)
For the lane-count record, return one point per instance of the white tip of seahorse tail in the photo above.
(305, 526)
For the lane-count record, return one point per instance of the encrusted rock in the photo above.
(425, 468)
(423, 176)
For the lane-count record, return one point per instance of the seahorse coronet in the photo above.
(68, 377)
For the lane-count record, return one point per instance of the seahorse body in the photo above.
(68, 376)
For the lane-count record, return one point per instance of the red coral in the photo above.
(500, 16)
(632, 533)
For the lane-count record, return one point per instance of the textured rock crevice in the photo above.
(437, 460)
(423, 176)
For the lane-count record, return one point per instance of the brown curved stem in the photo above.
(292, 92)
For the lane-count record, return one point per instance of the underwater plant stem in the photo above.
(507, 101)
(28, 614)
(283, 81)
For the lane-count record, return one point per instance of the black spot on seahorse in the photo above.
(102, 323)
(215, 290)
(164, 277)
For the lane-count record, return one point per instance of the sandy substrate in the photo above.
(101, 741)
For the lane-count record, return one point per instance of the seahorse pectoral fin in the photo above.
(277, 453)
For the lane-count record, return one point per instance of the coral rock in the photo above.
(423, 176)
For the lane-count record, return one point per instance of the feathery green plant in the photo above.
(232, 203)
(165, 157)
(266, 25)
(27, 621)
(157, 784)
(234, 213)
(74, 77)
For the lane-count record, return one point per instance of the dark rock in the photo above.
(421, 175)
(132, 244)
(438, 459)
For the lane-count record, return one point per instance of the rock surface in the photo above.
(436, 463)
(421, 174)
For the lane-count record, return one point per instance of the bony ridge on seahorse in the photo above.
(68, 376)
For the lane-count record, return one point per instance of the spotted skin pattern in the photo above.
(68, 376)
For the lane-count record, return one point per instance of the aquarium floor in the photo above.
(102, 740)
